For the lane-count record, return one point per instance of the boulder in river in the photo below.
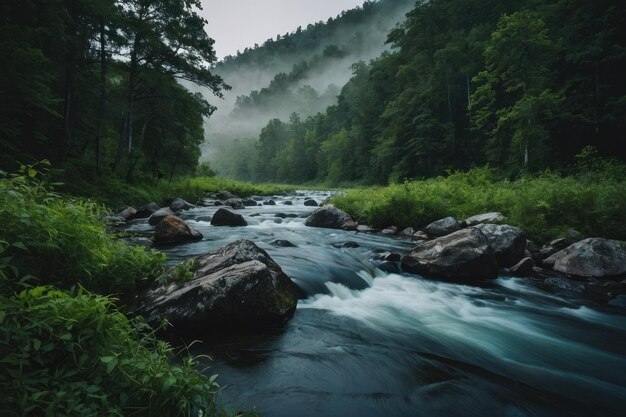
(147, 210)
(492, 217)
(288, 203)
(235, 203)
(331, 217)
(222, 195)
(282, 243)
(391, 230)
(172, 230)
(232, 288)
(310, 203)
(508, 242)
(409, 231)
(269, 203)
(128, 213)
(180, 204)
(523, 268)
(443, 227)
(465, 255)
(223, 217)
(248, 202)
(591, 258)
(160, 215)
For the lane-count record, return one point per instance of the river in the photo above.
(369, 343)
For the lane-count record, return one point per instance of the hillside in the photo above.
(300, 72)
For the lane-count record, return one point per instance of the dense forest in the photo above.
(520, 86)
(94, 86)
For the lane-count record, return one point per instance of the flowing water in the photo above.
(369, 343)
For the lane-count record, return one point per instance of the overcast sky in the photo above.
(236, 24)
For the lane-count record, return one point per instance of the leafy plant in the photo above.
(76, 354)
(63, 240)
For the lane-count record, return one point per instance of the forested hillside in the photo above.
(93, 85)
(520, 85)
(300, 72)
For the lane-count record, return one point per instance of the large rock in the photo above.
(331, 217)
(235, 203)
(310, 203)
(172, 230)
(492, 217)
(443, 227)
(591, 258)
(223, 217)
(508, 242)
(160, 215)
(180, 204)
(465, 255)
(147, 210)
(236, 286)
(128, 213)
(222, 195)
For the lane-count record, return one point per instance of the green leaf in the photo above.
(36, 343)
(32, 172)
(19, 245)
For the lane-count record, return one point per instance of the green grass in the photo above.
(114, 192)
(545, 205)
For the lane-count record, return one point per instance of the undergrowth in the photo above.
(65, 350)
(545, 206)
(64, 242)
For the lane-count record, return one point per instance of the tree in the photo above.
(514, 101)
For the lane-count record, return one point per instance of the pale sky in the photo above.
(237, 24)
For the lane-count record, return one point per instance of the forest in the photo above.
(411, 208)
(94, 86)
(520, 86)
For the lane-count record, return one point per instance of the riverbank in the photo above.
(68, 348)
(546, 206)
(115, 192)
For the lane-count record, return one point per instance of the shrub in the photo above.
(544, 205)
(75, 354)
(64, 241)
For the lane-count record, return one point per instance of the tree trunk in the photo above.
(102, 104)
(180, 150)
(135, 157)
(121, 144)
(131, 93)
(450, 122)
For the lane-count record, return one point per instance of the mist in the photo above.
(311, 92)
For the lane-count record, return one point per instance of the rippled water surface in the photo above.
(369, 343)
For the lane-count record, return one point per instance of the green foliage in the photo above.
(545, 205)
(519, 85)
(114, 192)
(181, 273)
(64, 241)
(76, 354)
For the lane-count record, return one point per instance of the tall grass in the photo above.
(114, 192)
(545, 205)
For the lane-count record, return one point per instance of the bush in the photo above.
(64, 242)
(65, 354)
(545, 206)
